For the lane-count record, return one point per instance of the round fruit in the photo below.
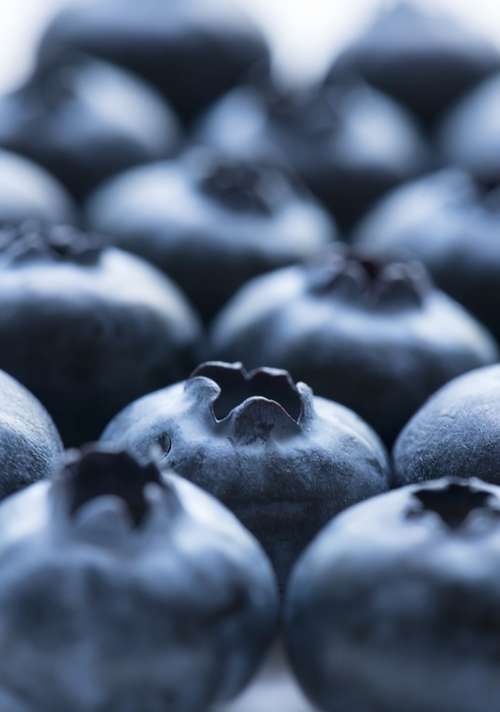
(394, 606)
(374, 336)
(442, 221)
(456, 432)
(88, 328)
(424, 60)
(125, 590)
(211, 222)
(85, 120)
(469, 138)
(282, 460)
(28, 191)
(30, 446)
(348, 142)
(191, 50)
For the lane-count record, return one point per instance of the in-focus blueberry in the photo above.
(281, 459)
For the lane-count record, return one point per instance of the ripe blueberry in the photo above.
(394, 606)
(192, 50)
(30, 446)
(348, 142)
(88, 328)
(211, 222)
(28, 191)
(281, 459)
(424, 60)
(375, 336)
(469, 138)
(84, 120)
(456, 432)
(123, 590)
(443, 221)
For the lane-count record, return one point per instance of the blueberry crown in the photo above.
(93, 473)
(53, 82)
(360, 280)
(313, 111)
(402, 10)
(240, 185)
(34, 240)
(253, 405)
(454, 503)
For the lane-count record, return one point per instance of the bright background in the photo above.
(305, 33)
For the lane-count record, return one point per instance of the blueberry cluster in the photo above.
(263, 317)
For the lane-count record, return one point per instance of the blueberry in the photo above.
(30, 445)
(85, 120)
(211, 221)
(347, 142)
(28, 191)
(469, 137)
(192, 50)
(394, 606)
(375, 336)
(424, 60)
(282, 460)
(443, 221)
(123, 590)
(456, 432)
(88, 328)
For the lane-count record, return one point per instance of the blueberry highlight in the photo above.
(455, 432)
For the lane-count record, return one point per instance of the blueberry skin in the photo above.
(394, 606)
(88, 328)
(192, 51)
(426, 61)
(282, 460)
(348, 142)
(128, 590)
(376, 337)
(28, 191)
(467, 136)
(443, 221)
(210, 222)
(85, 120)
(455, 432)
(30, 446)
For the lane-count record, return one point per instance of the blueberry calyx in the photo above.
(92, 473)
(453, 503)
(32, 240)
(239, 186)
(312, 111)
(52, 90)
(52, 83)
(254, 405)
(369, 282)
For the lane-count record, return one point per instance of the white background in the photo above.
(304, 32)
